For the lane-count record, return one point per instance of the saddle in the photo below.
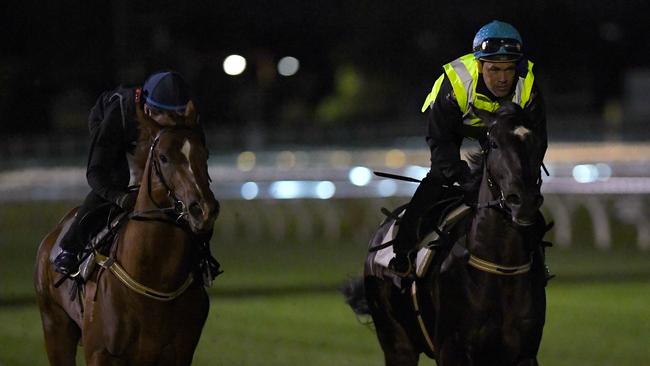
(98, 239)
(441, 228)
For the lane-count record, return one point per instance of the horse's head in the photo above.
(512, 163)
(177, 171)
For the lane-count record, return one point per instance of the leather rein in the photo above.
(174, 215)
(499, 204)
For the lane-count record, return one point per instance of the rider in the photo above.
(495, 72)
(114, 131)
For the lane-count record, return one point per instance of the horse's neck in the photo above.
(154, 251)
(492, 235)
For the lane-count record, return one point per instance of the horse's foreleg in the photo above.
(61, 335)
(393, 337)
(451, 354)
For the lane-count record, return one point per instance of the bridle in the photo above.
(500, 202)
(177, 212)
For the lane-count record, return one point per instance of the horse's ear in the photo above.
(148, 126)
(488, 118)
(191, 115)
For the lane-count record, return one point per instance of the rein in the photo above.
(174, 215)
(499, 204)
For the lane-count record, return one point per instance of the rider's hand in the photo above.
(127, 200)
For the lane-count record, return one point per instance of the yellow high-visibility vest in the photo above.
(463, 75)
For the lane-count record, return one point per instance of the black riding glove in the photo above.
(127, 200)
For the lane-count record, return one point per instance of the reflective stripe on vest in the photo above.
(463, 75)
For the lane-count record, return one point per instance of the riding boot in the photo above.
(427, 193)
(67, 262)
(72, 243)
(539, 255)
(208, 264)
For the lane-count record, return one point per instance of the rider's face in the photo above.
(165, 119)
(498, 76)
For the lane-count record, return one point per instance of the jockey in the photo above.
(114, 132)
(495, 72)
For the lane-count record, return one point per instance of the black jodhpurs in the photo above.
(74, 239)
(426, 195)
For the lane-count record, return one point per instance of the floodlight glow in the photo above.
(417, 172)
(246, 161)
(288, 66)
(325, 190)
(286, 189)
(395, 158)
(234, 65)
(604, 171)
(249, 190)
(360, 176)
(585, 173)
(387, 188)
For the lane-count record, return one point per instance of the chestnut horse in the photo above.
(486, 306)
(147, 308)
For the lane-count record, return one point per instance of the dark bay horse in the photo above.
(147, 308)
(486, 306)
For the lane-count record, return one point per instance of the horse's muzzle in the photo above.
(202, 215)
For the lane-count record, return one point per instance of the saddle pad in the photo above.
(425, 253)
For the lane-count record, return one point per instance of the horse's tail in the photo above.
(355, 295)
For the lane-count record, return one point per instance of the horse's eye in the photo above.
(163, 159)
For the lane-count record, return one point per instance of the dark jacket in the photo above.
(446, 130)
(114, 131)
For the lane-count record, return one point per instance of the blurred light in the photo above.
(417, 172)
(585, 173)
(395, 158)
(249, 190)
(286, 189)
(387, 188)
(234, 65)
(246, 161)
(360, 176)
(340, 158)
(288, 66)
(604, 171)
(286, 160)
(325, 190)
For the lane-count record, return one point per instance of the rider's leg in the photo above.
(72, 243)
(210, 267)
(539, 249)
(427, 194)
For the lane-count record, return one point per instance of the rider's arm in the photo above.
(444, 136)
(536, 112)
(108, 146)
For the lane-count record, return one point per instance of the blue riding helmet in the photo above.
(167, 91)
(497, 41)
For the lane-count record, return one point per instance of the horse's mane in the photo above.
(507, 113)
(473, 183)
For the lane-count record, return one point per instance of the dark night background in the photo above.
(365, 66)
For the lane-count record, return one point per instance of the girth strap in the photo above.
(123, 276)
